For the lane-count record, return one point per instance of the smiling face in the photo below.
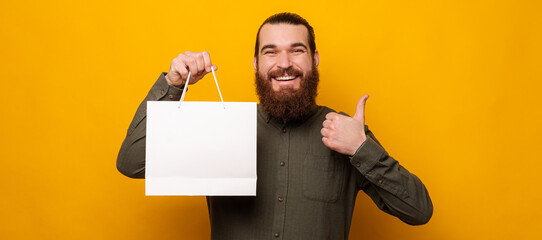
(286, 71)
(284, 56)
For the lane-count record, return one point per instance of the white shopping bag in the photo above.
(201, 148)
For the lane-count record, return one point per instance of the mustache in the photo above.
(288, 71)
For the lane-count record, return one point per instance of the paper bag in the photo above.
(201, 148)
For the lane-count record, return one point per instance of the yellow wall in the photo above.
(455, 94)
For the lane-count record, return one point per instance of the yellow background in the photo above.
(455, 94)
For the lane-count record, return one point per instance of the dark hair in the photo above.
(289, 18)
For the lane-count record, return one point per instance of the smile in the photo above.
(285, 78)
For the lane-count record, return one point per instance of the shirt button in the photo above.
(163, 92)
(358, 164)
(380, 181)
(282, 163)
(170, 96)
(284, 130)
(277, 235)
(281, 199)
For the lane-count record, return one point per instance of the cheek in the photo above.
(263, 66)
(304, 64)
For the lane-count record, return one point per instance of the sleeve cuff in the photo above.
(162, 91)
(367, 155)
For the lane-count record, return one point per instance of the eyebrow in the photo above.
(268, 46)
(297, 44)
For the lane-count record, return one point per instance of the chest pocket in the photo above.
(323, 177)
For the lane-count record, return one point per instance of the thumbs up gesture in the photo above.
(345, 134)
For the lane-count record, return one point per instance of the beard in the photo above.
(288, 104)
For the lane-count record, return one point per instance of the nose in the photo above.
(284, 61)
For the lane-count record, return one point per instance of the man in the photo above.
(311, 161)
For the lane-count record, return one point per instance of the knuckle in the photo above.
(190, 60)
(199, 58)
(206, 55)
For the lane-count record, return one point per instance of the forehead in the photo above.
(283, 34)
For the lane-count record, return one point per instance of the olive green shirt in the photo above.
(304, 189)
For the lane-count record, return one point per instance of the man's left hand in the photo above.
(345, 134)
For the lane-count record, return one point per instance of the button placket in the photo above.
(282, 183)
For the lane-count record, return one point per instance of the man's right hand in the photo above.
(197, 63)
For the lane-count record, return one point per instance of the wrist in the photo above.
(356, 150)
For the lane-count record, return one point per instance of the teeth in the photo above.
(285, 78)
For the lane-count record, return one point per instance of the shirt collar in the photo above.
(269, 119)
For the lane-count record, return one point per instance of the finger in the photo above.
(188, 59)
(180, 67)
(192, 66)
(327, 124)
(207, 61)
(200, 64)
(327, 142)
(173, 73)
(331, 116)
(324, 132)
(360, 109)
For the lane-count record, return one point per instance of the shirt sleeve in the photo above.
(392, 188)
(131, 158)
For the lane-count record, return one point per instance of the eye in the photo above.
(267, 52)
(299, 50)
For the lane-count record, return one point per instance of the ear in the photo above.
(255, 63)
(316, 58)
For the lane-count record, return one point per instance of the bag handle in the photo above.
(186, 86)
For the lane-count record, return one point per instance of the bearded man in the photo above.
(312, 161)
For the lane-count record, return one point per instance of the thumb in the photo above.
(360, 109)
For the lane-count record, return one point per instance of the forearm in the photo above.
(393, 188)
(131, 158)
